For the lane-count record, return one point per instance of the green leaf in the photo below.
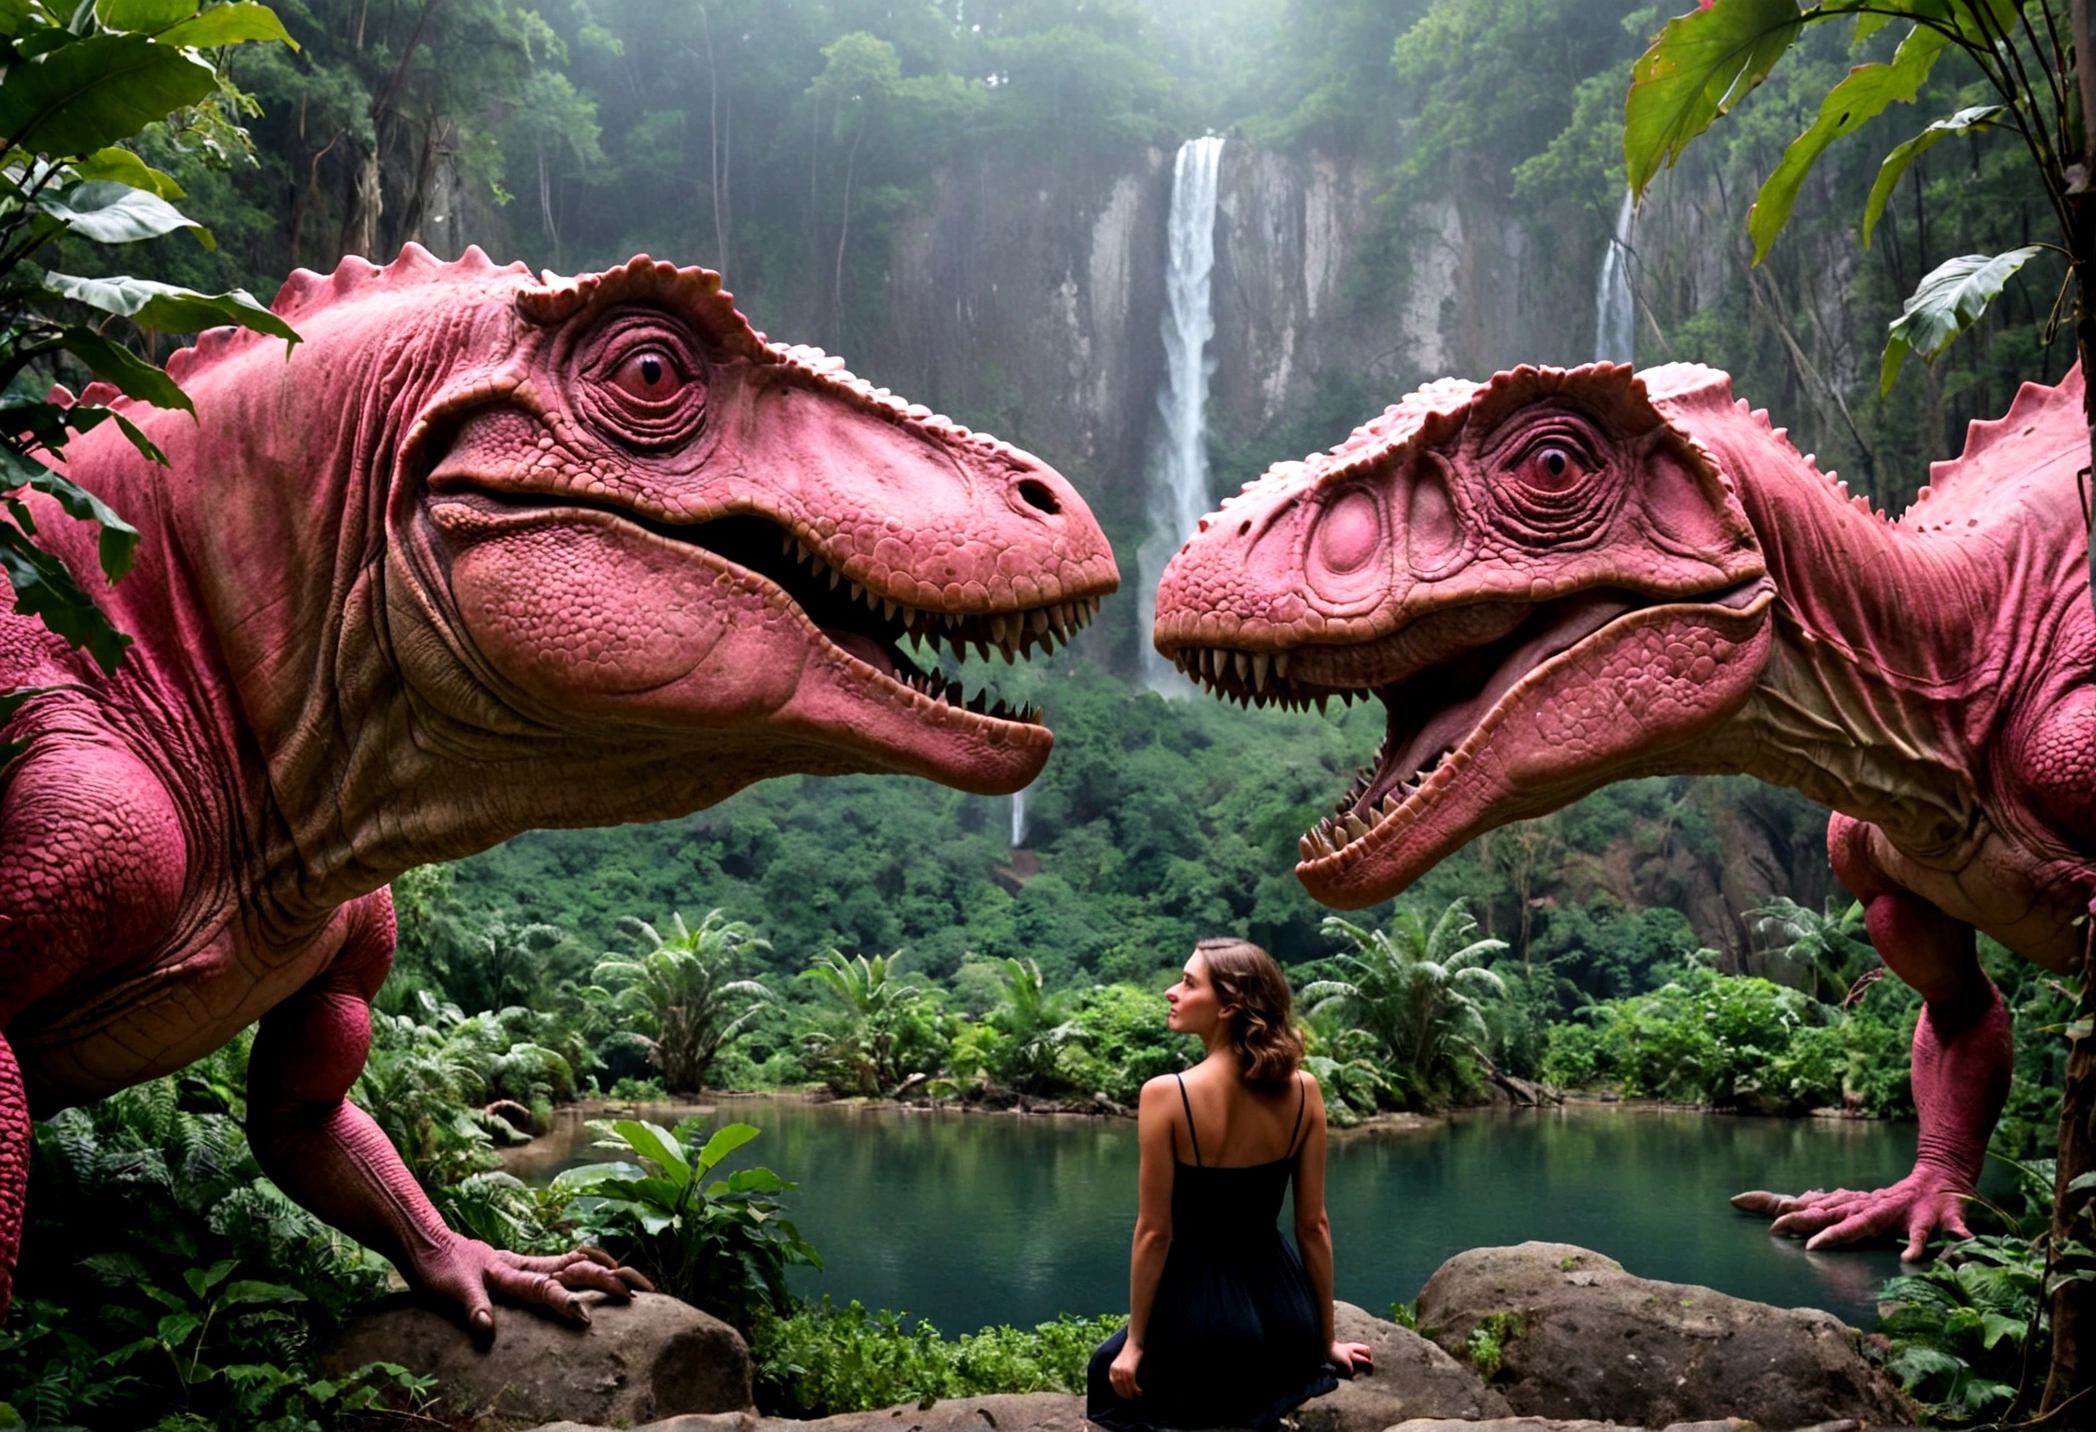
(170, 309)
(96, 92)
(234, 24)
(203, 1280)
(1950, 300)
(175, 1328)
(1979, 116)
(119, 538)
(1701, 65)
(132, 375)
(45, 589)
(1996, 1327)
(13, 15)
(2081, 1181)
(1861, 96)
(757, 1180)
(250, 1290)
(146, 16)
(723, 1143)
(652, 1141)
(121, 166)
(114, 213)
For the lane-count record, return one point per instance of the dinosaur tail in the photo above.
(14, 1168)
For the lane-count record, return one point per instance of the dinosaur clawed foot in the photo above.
(473, 1273)
(1927, 1202)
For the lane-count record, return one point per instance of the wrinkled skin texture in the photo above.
(1557, 580)
(486, 553)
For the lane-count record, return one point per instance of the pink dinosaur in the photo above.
(1556, 580)
(486, 553)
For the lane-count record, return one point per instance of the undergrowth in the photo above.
(821, 1359)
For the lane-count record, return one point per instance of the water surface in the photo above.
(973, 1219)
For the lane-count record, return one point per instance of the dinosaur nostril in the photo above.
(1038, 496)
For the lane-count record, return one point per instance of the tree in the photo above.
(88, 79)
(677, 998)
(1830, 945)
(1037, 1026)
(1415, 990)
(2041, 73)
(863, 1054)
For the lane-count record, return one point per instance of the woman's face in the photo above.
(1196, 1008)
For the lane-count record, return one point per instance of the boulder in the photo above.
(1552, 1424)
(1411, 1378)
(637, 1362)
(1578, 1337)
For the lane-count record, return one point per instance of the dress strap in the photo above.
(1302, 1096)
(1188, 1103)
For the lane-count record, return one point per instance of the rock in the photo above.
(636, 1362)
(1411, 1378)
(1584, 1338)
(1552, 1424)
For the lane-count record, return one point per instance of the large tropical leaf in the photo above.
(234, 24)
(1862, 96)
(1950, 300)
(115, 212)
(119, 538)
(1979, 116)
(1702, 64)
(121, 166)
(96, 92)
(130, 374)
(168, 308)
(44, 588)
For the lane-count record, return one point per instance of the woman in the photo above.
(1227, 1327)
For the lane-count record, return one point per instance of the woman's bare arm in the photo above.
(1153, 1212)
(1153, 1226)
(1313, 1230)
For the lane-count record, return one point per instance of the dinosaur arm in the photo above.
(330, 1156)
(1962, 1058)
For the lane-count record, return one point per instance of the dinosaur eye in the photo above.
(649, 375)
(1552, 467)
(644, 383)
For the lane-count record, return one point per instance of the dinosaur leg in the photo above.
(14, 1169)
(91, 869)
(333, 1159)
(1961, 1064)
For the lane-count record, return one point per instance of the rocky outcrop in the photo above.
(1410, 1378)
(636, 1362)
(1574, 1336)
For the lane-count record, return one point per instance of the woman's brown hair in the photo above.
(1261, 1030)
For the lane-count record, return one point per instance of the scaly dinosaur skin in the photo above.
(487, 553)
(1557, 580)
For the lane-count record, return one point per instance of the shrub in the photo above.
(724, 1245)
(818, 1359)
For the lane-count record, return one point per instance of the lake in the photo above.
(974, 1219)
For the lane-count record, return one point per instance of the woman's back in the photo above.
(1229, 1209)
(1234, 1125)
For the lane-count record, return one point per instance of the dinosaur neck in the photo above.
(1883, 663)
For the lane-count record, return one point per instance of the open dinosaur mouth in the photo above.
(896, 640)
(1443, 682)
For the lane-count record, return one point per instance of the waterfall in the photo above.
(1018, 819)
(1179, 485)
(1614, 318)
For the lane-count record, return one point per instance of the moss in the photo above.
(1486, 1348)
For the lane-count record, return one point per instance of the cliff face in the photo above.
(1028, 297)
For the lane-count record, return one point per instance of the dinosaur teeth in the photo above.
(888, 608)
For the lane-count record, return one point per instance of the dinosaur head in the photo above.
(650, 516)
(493, 551)
(1545, 581)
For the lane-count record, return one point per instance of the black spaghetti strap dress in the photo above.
(1234, 1338)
